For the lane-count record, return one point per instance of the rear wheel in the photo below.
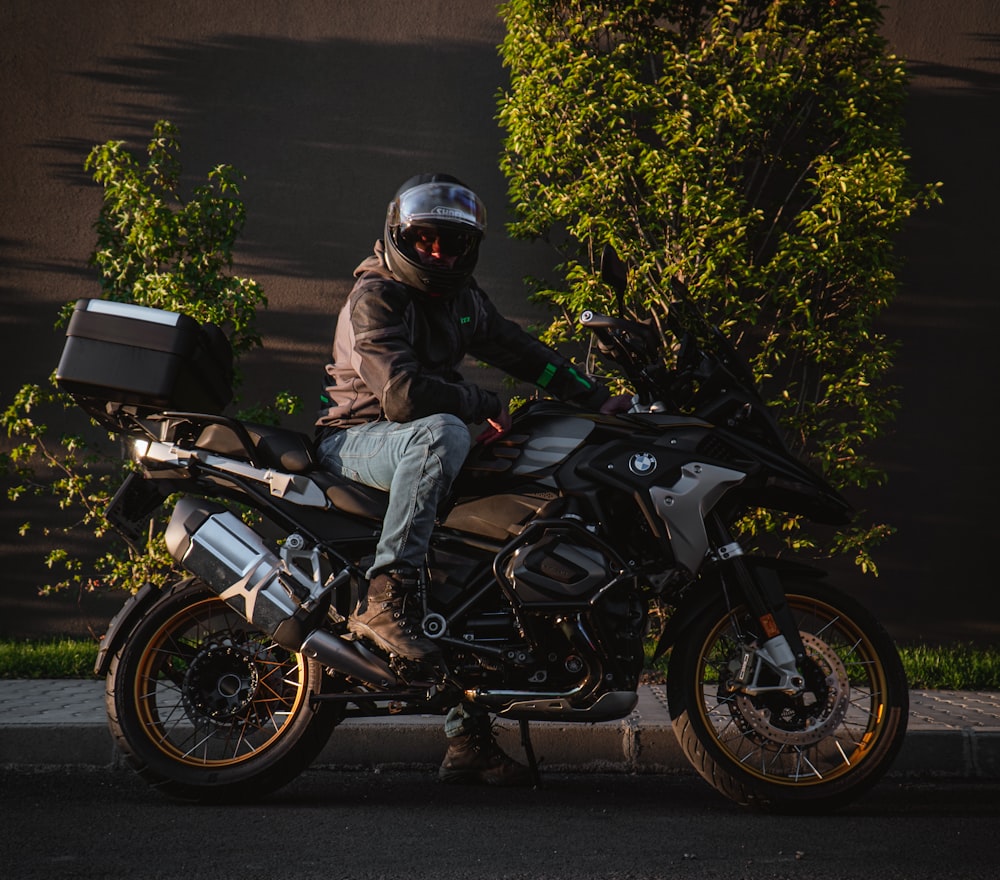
(206, 707)
(812, 752)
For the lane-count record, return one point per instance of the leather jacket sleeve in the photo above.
(503, 344)
(383, 357)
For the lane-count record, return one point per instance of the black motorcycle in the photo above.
(557, 540)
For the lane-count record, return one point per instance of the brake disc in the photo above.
(812, 715)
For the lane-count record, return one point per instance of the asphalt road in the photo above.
(333, 824)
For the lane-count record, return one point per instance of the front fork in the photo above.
(779, 649)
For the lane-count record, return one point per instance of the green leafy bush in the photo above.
(154, 248)
(750, 149)
(158, 249)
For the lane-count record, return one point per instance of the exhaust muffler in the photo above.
(280, 598)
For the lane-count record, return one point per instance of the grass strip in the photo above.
(50, 658)
(956, 667)
(951, 667)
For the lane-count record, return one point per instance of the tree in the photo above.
(157, 249)
(751, 149)
(154, 248)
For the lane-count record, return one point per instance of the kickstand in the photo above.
(529, 752)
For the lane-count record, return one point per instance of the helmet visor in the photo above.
(431, 204)
(434, 245)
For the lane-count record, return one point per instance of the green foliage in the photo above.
(284, 403)
(154, 248)
(52, 658)
(956, 667)
(750, 149)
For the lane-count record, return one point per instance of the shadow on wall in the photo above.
(324, 131)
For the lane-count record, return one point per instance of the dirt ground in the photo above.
(326, 113)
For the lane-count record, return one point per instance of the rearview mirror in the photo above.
(614, 273)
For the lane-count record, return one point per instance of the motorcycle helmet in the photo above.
(433, 228)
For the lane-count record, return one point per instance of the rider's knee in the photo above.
(451, 434)
(448, 438)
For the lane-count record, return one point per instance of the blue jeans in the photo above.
(416, 463)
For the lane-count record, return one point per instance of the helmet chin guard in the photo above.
(433, 227)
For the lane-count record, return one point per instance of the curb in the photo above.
(625, 748)
(953, 734)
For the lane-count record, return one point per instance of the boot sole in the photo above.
(474, 777)
(366, 632)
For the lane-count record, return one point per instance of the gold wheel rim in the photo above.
(804, 761)
(211, 691)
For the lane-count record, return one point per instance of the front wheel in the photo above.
(812, 752)
(206, 707)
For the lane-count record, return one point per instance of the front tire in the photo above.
(206, 707)
(811, 753)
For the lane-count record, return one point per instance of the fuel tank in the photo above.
(545, 434)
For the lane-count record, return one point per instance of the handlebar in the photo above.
(596, 321)
(707, 376)
(708, 379)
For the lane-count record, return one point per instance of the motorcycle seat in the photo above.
(350, 497)
(293, 452)
(273, 447)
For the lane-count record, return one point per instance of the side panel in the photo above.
(550, 443)
(542, 439)
(498, 517)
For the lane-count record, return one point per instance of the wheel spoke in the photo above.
(803, 759)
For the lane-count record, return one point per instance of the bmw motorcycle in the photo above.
(557, 541)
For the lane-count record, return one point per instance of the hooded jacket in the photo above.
(396, 353)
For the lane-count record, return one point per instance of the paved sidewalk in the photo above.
(951, 733)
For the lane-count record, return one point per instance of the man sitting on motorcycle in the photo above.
(396, 413)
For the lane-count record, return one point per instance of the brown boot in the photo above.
(477, 758)
(389, 615)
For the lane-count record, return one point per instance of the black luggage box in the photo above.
(148, 358)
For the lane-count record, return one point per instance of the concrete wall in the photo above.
(327, 106)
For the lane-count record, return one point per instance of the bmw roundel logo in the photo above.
(642, 463)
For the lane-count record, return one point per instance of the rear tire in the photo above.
(812, 753)
(205, 707)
